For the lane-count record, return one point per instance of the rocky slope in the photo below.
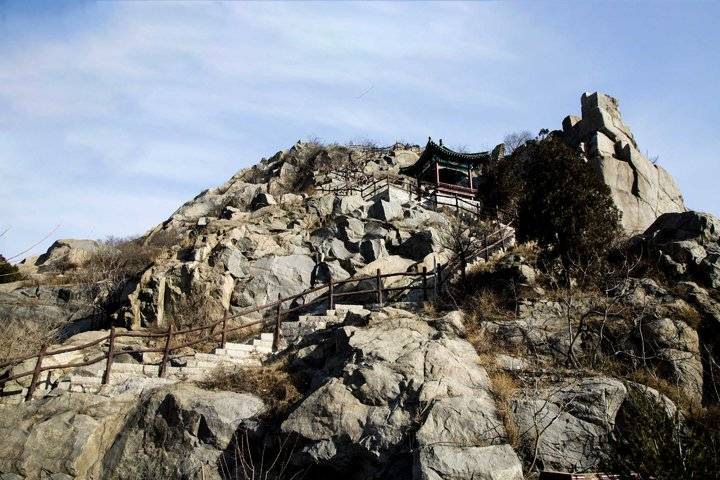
(524, 377)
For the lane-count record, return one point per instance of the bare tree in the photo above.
(465, 241)
(516, 139)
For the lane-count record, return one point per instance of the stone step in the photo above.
(315, 318)
(267, 337)
(206, 357)
(235, 353)
(342, 308)
(239, 346)
(127, 367)
(222, 360)
(263, 348)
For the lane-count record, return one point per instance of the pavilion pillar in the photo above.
(470, 177)
(437, 174)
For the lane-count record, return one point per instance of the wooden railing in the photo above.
(330, 294)
(431, 193)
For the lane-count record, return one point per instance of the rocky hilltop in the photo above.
(641, 190)
(413, 338)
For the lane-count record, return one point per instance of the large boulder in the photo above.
(372, 249)
(640, 189)
(66, 253)
(421, 244)
(272, 277)
(568, 424)
(386, 211)
(153, 430)
(688, 245)
(496, 462)
(376, 384)
(261, 200)
(180, 431)
(405, 158)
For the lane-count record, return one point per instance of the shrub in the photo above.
(271, 382)
(565, 205)
(655, 444)
(8, 272)
(18, 338)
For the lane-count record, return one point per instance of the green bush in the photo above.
(563, 204)
(654, 443)
(8, 273)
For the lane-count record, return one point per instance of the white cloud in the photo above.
(120, 119)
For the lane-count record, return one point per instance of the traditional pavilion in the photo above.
(449, 172)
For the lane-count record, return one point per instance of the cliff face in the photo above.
(641, 190)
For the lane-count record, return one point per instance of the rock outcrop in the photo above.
(398, 381)
(688, 246)
(64, 253)
(259, 236)
(157, 431)
(566, 425)
(641, 190)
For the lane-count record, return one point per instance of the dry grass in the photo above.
(19, 339)
(504, 386)
(114, 261)
(272, 383)
(652, 379)
(431, 309)
(488, 306)
(685, 312)
(528, 251)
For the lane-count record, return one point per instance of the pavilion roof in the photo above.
(435, 150)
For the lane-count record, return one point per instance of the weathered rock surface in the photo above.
(175, 431)
(688, 245)
(178, 432)
(66, 253)
(69, 309)
(641, 190)
(377, 384)
(568, 424)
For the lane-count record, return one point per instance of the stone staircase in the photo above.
(192, 367)
(293, 332)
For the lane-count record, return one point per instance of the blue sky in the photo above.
(112, 114)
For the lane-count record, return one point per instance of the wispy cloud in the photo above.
(113, 114)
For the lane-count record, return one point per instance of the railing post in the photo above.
(276, 333)
(485, 247)
(379, 288)
(166, 353)
(110, 356)
(457, 205)
(223, 334)
(424, 283)
(36, 374)
(331, 293)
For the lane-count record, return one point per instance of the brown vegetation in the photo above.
(272, 383)
(18, 339)
(503, 387)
